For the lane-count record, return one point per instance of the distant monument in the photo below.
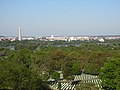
(20, 34)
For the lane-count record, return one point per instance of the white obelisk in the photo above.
(20, 36)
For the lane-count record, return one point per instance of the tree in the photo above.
(17, 77)
(76, 69)
(55, 75)
(67, 69)
(110, 74)
(92, 68)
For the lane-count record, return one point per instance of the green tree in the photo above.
(110, 74)
(76, 69)
(67, 68)
(55, 75)
(14, 76)
(92, 68)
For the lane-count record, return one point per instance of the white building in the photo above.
(20, 34)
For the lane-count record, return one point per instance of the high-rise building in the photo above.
(20, 34)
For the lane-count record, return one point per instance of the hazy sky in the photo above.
(60, 17)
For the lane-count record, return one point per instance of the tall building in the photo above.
(20, 34)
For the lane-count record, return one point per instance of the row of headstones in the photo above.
(68, 86)
(64, 86)
(55, 85)
(89, 79)
(97, 82)
(84, 77)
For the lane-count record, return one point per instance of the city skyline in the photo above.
(59, 17)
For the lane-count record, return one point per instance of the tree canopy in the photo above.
(110, 74)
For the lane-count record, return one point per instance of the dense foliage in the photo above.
(17, 77)
(55, 75)
(33, 61)
(110, 74)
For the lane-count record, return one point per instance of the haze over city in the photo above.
(59, 17)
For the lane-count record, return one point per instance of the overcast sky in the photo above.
(60, 17)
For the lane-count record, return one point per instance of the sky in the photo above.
(59, 17)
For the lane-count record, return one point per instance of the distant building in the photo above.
(20, 34)
(101, 40)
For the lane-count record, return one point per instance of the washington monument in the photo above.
(20, 34)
